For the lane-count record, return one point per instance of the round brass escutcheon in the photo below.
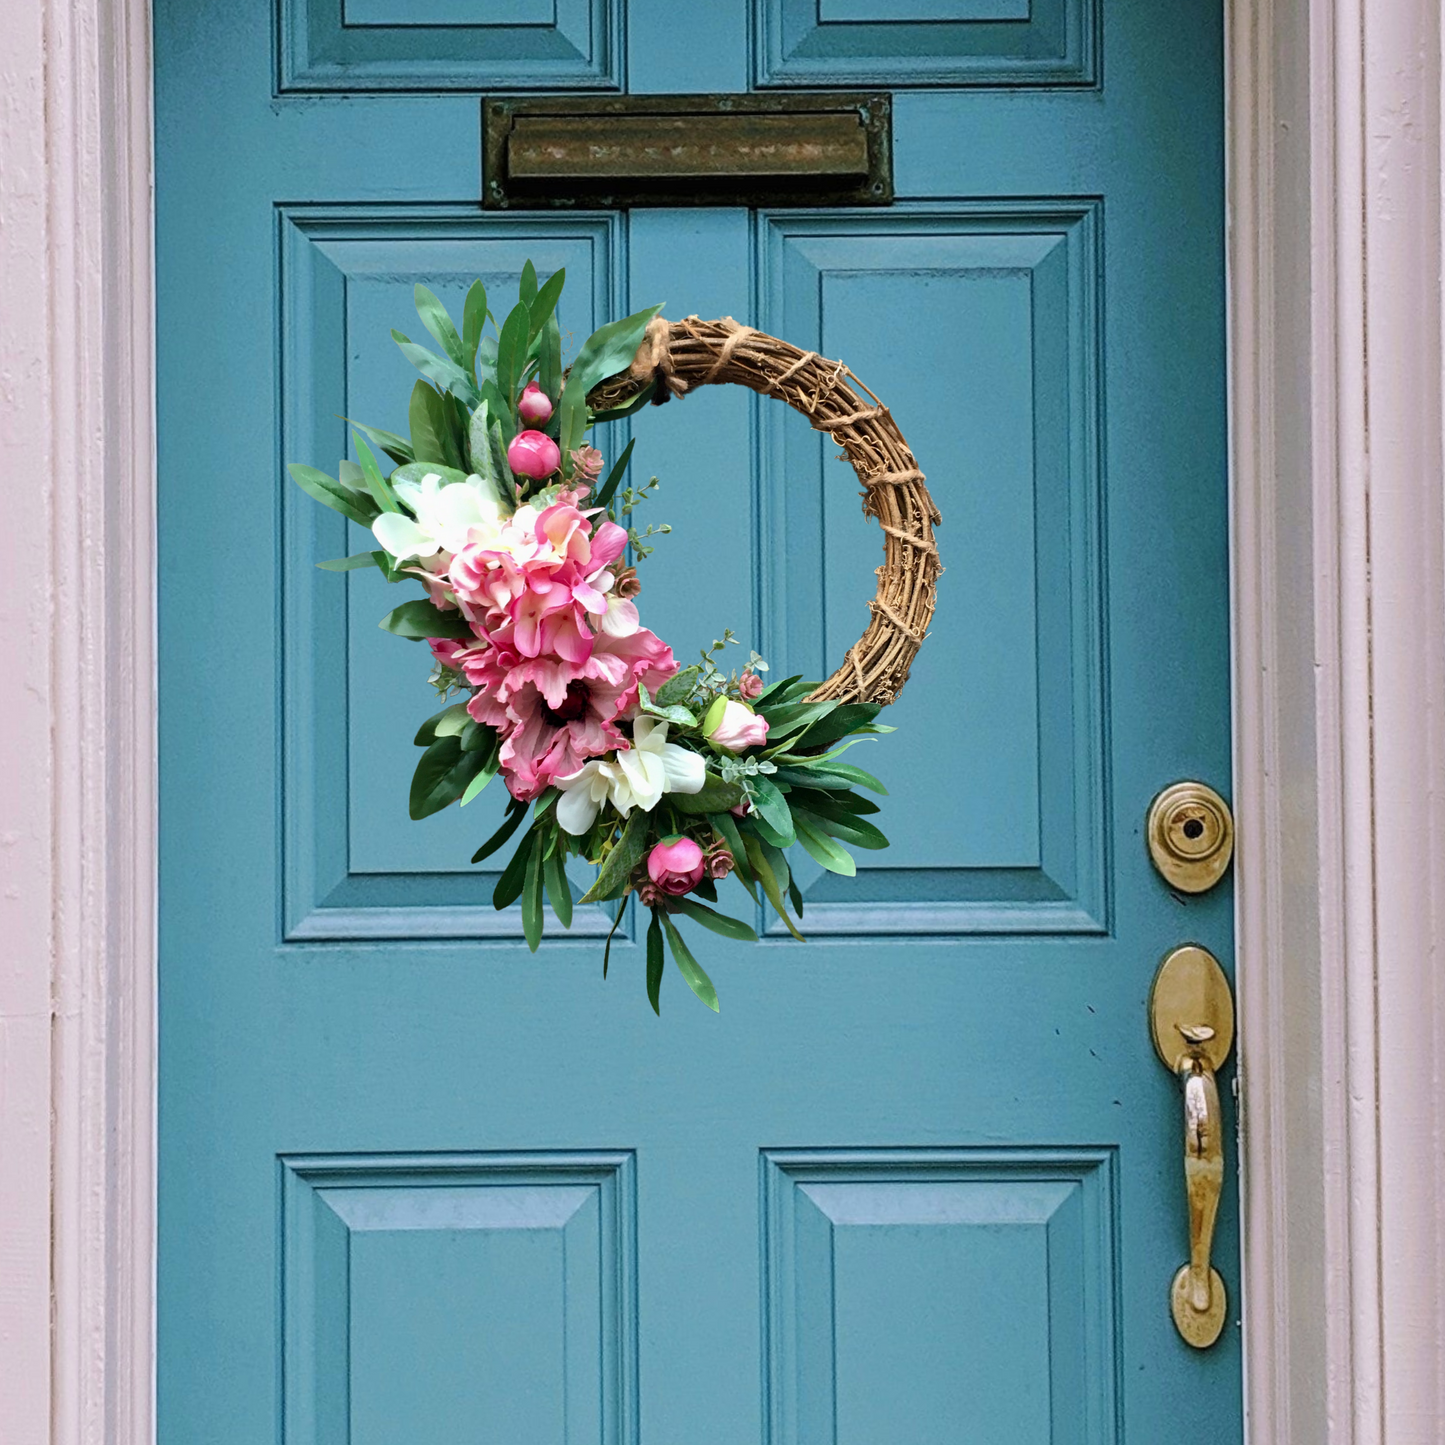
(1198, 1328)
(1191, 836)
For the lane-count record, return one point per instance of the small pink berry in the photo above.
(535, 404)
(533, 454)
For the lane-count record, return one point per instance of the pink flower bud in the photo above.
(676, 865)
(535, 404)
(750, 685)
(734, 726)
(533, 454)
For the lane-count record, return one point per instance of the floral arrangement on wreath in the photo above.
(666, 778)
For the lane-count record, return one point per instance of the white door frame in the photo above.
(1334, 133)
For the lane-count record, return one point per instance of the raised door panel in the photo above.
(422, 1291)
(356, 866)
(927, 42)
(941, 1295)
(984, 317)
(362, 45)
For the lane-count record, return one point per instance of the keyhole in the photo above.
(1193, 828)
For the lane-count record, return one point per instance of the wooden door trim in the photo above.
(1334, 139)
(78, 721)
(1334, 128)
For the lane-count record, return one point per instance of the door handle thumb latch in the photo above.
(1191, 1014)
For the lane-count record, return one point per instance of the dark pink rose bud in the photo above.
(533, 454)
(535, 404)
(676, 865)
(750, 685)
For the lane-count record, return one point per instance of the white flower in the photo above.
(447, 515)
(635, 777)
(620, 619)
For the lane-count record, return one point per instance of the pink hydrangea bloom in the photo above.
(555, 714)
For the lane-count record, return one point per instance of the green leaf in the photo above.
(718, 922)
(423, 417)
(434, 317)
(678, 714)
(516, 812)
(527, 286)
(775, 690)
(559, 890)
(512, 350)
(618, 413)
(679, 687)
(441, 776)
(689, 967)
(474, 318)
(763, 871)
(625, 856)
(397, 448)
(610, 485)
(608, 350)
(376, 484)
(419, 471)
(838, 724)
(331, 493)
(795, 895)
(715, 796)
(825, 851)
(857, 831)
(514, 875)
(772, 807)
(446, 723)
(503, 413)
(607, 947)
(532, 900)
(549, 359)
(443, 373)
(498, 463)
(727, 826)
(491, 753)
(769, 834)
(479, 451)
(544, 303)
(847, 807)
(832, 775)
(655, 962)
(786, 720)
(421, 619)
(353, 563)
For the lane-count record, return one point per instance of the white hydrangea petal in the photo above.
(684, 769)
(649, 732)
(621, 618)
(402, 537)
(456, 509)
(576, 809)
(646, 777)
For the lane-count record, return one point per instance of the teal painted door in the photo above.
(920, 1181)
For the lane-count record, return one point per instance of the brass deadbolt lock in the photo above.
(1191, 836)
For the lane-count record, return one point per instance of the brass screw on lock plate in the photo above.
(1191, 836)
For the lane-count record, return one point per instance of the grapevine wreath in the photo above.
(666, 778)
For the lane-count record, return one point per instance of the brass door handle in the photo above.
(1191, 1014)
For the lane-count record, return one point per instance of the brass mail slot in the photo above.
(677, 150)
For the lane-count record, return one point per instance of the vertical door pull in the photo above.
(1191, 1014)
